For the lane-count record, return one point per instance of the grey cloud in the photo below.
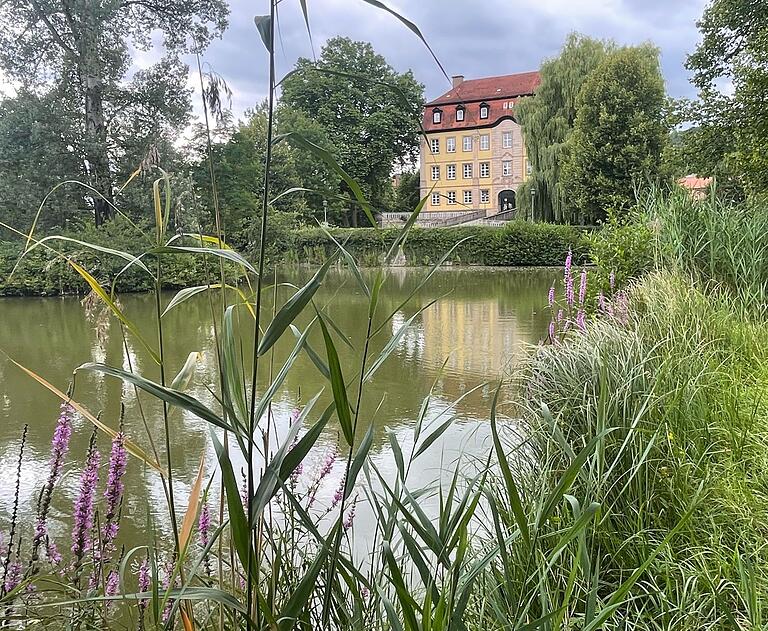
(477, 38)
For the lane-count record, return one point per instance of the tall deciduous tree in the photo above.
(733, 53)
(81, 48)
(547, 120)
(372, 126)
(618, 134)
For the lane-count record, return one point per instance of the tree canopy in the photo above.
(76, 56)
(730, 67)
(618, 134)
(547, 120)
(369, 112)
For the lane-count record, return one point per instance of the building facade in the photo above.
(473, 157)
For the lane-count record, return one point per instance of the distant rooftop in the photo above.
(487, 88)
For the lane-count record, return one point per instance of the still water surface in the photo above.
(478, 327)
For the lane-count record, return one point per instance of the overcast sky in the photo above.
(475, 38)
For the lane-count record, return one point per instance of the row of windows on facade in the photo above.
(450, 196)
(467, 169)
(437, 113)
(507, 142)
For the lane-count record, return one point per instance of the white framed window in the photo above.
(435, 172)
(435, 199)
(506, 140)
(460, 113)
(485, 142)
(485, 196)
(451, 197)
(528, 167)
(467, 197)
(450, 144)
(506, 167)
(485, 169)
(466, 143)
(437, 116)
(435, 145)
(483, 111)
(450, 171)
(467, 170)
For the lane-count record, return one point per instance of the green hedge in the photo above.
(42, 273)
(517, 244)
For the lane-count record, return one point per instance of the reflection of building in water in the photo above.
(475, 337)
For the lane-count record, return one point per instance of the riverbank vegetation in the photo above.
(624, 486)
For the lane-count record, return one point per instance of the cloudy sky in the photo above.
(471, 37)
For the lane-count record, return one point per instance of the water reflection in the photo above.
(478, 324)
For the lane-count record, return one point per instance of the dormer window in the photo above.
(460, 113)
(437, 116)
(484, 110)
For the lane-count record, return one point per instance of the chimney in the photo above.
(457, 80)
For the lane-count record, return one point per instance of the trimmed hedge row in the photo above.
(519, 243)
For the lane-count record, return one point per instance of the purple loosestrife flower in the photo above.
(569, 295)
(568, 263)
(59, 449)
(581, 320)
(113, 583)
(583, 288)
(350, 516)
(552, 331)
(13, 577)
(551, 297)
(339, 494)
(559, 315)
(118, 460)
(82, 513)
(143, 583)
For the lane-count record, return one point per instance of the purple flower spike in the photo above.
(118, 460)
(113, 583)
(350, 516)
(13, 577)
(552, 331)
(583, 288)
(59, 449)
(568, 263)
(551, 297)
(581, 320)
(82, 513)
(339, 494)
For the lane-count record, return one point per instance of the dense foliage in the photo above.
(618, 134)
(548, 119)
(76, 57)
(731, 129)
(517, 244)
(369, 112)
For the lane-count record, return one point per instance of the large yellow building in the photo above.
(473, 153)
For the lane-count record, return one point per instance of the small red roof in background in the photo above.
(694, 182)
(510, 85)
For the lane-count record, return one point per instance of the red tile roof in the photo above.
(510, 85)
(500, 93)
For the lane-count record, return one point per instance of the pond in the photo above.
(476, 329)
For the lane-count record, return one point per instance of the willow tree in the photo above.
(81, 49)
(547, 120)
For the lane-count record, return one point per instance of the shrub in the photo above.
(517, 244)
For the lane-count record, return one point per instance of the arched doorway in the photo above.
(506, 201)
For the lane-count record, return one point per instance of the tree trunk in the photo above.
(96, 147)
(92, 82)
